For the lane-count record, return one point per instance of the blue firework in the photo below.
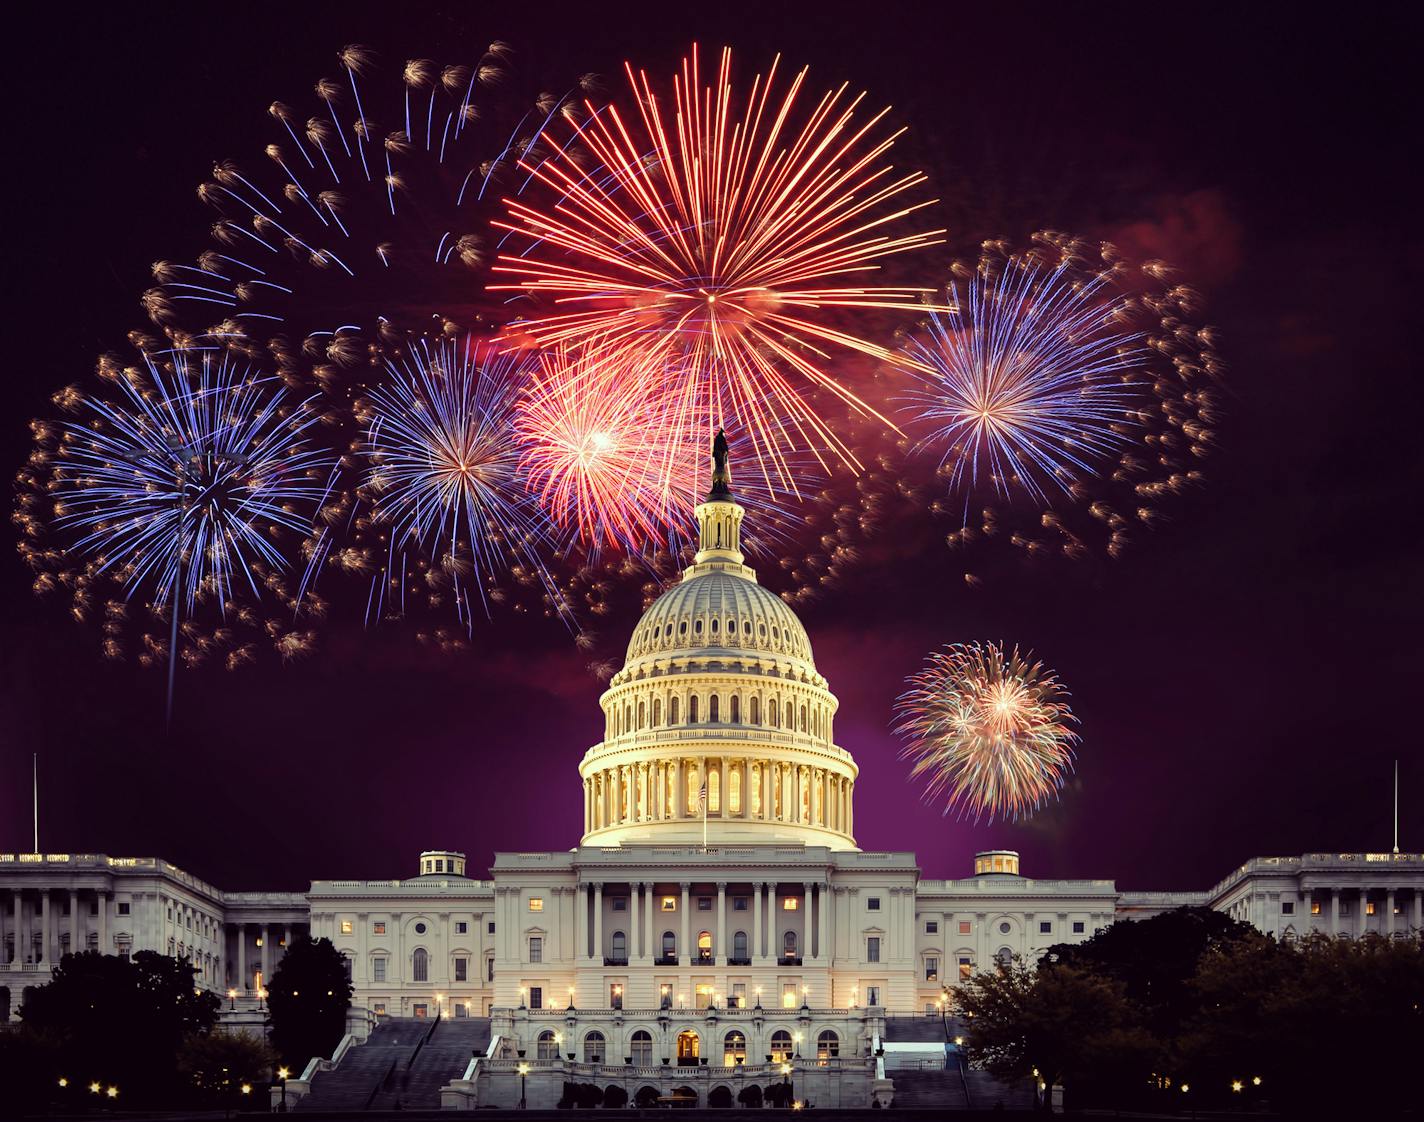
(443, 471)
(1032, 377)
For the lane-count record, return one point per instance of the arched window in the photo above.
(780, 1046)
(734, 1049)
(714, 789)
(420, 966)
(756, 790)
(828, 1045)
(692, 710)
(669, 945)
(593, 1050)
(734, 791)
(620, 946)
(788, 944)
(694, 788)
(697, 627)
(739, 945)
(688, 1047)
(640, 1047)
(714, 709)
(736, 710)
(672, 710)
(657, 711)
(714, 627)
(773, 713)
(546, 1047)
(704, 946)
(642, 714)
(803, 718)
(756, 711)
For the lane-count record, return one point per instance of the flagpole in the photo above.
(35, 761)
(1396, 806)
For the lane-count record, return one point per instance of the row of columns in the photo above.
(245, 978)
(22, 911)
(1388, 924)
(766, 790)
(644, 941)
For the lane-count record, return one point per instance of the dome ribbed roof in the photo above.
(720, 610)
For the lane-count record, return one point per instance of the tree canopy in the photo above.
(307, 1000)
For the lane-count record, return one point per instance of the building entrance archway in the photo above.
(688, 1047)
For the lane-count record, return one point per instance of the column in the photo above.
(1334, 912)
(266, 954)
(684, 948)
(46, 906)
(679, 794)
(580, 923)
(241, 956)
(649, 947)
(821, 952)
(756, 950)
(807, 929)
(1389, 913)
(634, 931)
(1418, 923)
(721, 946)
(724, 809)
(74, 947)
(598, 924)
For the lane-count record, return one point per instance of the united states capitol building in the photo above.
(718, 925)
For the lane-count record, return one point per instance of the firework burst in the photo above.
(180, 489)
(712, 239)
(1065, 393)
(989, 730)
(444, 475)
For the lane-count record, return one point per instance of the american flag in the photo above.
(702, 800)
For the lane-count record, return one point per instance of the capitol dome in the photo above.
(718, 725)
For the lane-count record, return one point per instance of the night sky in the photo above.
(1245, 675)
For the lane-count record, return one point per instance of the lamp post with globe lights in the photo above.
(523, 1075)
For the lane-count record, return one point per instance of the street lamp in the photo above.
(232, 1000)
(522, 992)
(805, 997)
(95, 1088)
(757, 991)
(523, 1072)
(282, 1074)
(796, 1040)
(571, 997)
(112, 1092)
(786, 1075)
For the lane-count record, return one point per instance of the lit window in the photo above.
(536, 903)
(1315, 907)
(379, 1008)
(788, 1001)
(873, 903)
(1369, 907)
(703, 994)
(931, 969)
(669, 903)
(790, 903)
(378, 928)
(966, 967)
(964, 927)
(346, 927)
(615, 996)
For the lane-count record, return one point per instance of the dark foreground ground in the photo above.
(767, 1115)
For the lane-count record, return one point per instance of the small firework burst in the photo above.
(989, 730)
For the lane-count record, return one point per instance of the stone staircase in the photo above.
(365, 1067)
(987, 1093)
(446, 1053)
(925, 1089)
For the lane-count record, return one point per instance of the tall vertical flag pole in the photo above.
(1396, 806)
(702, 798)
(35, 763)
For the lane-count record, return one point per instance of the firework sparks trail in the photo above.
(989, 730)
(183, 484)
(1034, 377)
(711, 246)
(444, 468)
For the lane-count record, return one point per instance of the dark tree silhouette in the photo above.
(307, 1001)
(121, 1021)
